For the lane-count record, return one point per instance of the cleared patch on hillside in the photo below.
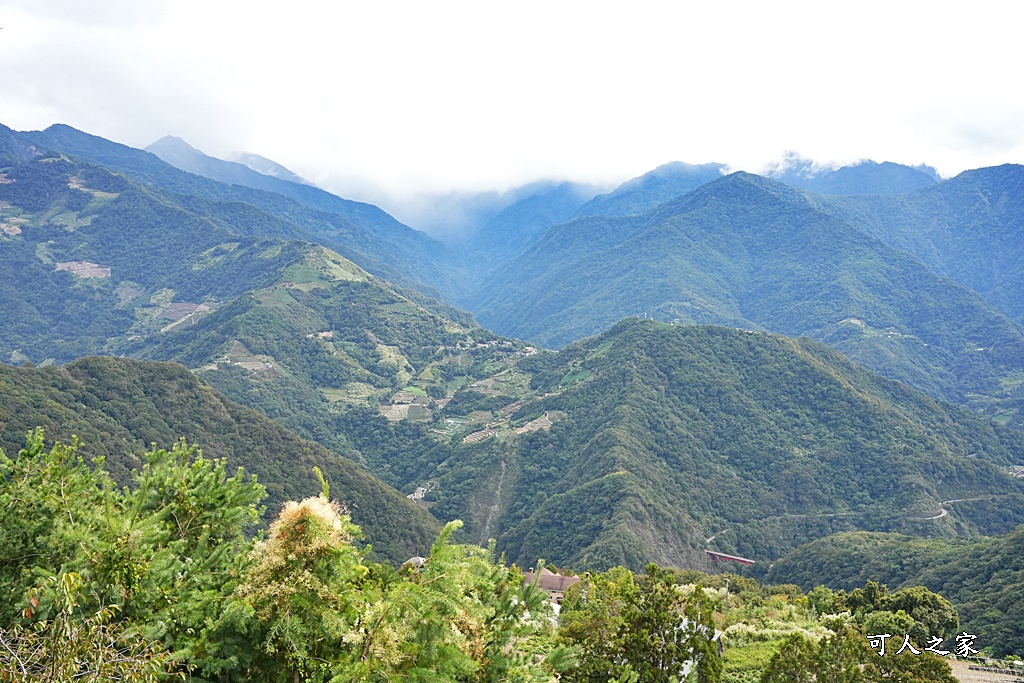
(353, 392)
(394, 412)
(76, 184)
(84, 269)
(238, 354)
(477, 437)
(319, 268)
(542, 423)
(177, 311)
(211, 257)
(71, 220)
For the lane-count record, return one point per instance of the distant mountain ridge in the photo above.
(863, 178)
(362, 232)
(967, 228)
(266, 166)
(749, 252)
(639, 195)
(181, 155)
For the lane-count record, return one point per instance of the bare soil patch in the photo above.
(84, 269)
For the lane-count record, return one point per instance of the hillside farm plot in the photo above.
(352, 393)
(99, 197)
(508, 382)
(392, 355)
(71, 220)
(84, 269)
(11, 225)
(395, 412)
(177, 311)
(239, 355)
(127, 292)
(451, 426)
(490, 386)
(418, 413)
(477, 437)
(321, 266)
(411, 403)
(183, 314)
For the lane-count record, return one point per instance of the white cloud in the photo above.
(409, 96)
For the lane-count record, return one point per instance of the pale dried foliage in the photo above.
(303, 552)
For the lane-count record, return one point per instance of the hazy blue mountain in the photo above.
(968, 228)
(545, 204)
(518, 225)
(639, 195)
(746, 251)
(362, 232)
(458, 218)
(13, 148)
(266, 166)
(863, 178)
(184, 156)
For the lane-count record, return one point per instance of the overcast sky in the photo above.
(404, 97)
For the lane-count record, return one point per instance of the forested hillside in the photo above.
(361, 232)
(982, 576)
(119, 408)
(748, 252)
(645, 441)
(967, 228)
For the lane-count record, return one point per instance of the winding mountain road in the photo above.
(943, 512)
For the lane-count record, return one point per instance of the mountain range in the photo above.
(638, 440)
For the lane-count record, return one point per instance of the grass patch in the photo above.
(578, 376)
(302, 273)
(751, 657)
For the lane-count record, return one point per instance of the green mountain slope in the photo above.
(361, 232)
(119, 407)
(983, 577)
(638, 196)
(660, 436)
(287, 327)
(967, 228)
(93, 263)
(748, 252)
(324, 338)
